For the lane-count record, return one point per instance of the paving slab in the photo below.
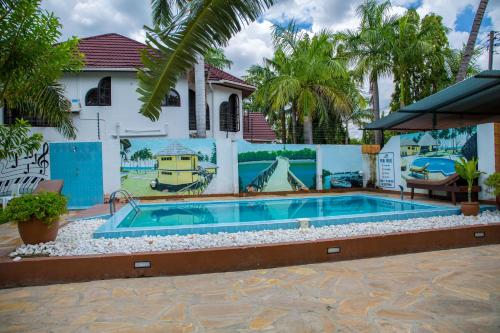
(443, 291)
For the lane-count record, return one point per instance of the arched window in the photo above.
(172, 99)
(100, 96)
(207, 118)
(92, 97)
(230, 114)
(223, 116)
(192, 110)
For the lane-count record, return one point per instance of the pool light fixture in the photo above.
(142, 264)
(333, 250)
(479, 234)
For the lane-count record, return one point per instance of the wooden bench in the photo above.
(449, 185)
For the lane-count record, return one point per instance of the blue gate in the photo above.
(79, 164)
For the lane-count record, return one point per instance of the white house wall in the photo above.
(219, 95)
(124, 108)
(486, 155)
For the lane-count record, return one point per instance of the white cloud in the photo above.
(249, 47)
(91, 17)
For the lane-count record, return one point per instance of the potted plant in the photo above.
(467, 169)
(37, 216)
(493, 183)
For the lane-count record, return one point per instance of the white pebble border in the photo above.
(76, 237)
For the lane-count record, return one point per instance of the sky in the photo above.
(84, 18)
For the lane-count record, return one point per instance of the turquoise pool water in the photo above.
(437, 164)
(260, 214)
(260, 211)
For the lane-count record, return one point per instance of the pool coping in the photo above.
(49, 270)
(109, 228)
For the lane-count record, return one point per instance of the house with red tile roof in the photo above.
(105, 104)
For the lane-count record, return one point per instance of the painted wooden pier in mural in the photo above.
(276, 177)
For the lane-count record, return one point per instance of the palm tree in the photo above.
(32, 59)
(368, 48)
(471, 41)
(215, 57)
(259, 101)
(307, 76)
(125, 149)
(183, 30)
(411, 47)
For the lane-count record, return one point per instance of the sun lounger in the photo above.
(448, 184)
(54, 186)
(420, 170)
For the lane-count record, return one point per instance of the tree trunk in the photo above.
(376, 108)
(283, 126)
(469, 49)
(294, 123)
(199, 81)
(308, 130)
(347, 132)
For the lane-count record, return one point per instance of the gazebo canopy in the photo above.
(473, 101)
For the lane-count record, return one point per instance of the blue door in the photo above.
(79, 164)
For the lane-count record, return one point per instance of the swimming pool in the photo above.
(437, 164)
(200, 217)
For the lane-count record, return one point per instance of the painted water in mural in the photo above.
(342, 166)
(275, 167)
(156, 167)
(432, 155)
(21, 174)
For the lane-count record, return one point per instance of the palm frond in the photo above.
(164, 10)
(198, 26)
(50, 104)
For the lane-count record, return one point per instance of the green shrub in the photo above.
(493, 182)
(45, 206)
(467, 169)
(3, 218)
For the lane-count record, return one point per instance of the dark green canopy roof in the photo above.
(470, 102)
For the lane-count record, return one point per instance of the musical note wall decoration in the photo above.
(26, 170)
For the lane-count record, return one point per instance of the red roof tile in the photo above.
(116, 51)
(256, 128)
(111, 51)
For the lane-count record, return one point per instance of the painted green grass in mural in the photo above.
(138, 184)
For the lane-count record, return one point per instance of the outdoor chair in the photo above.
(421, 170)
(449, 185)
(54, 186)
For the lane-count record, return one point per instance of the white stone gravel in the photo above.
(76, 237)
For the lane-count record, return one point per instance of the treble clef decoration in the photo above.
(42, 161)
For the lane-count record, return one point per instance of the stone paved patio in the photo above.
(444, 291)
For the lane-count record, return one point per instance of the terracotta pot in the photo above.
(470, 208)
(34, 231)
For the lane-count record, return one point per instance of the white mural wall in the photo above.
(23, 173)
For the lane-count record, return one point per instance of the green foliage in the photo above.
(16, 140)
(182, 30)
(305, 83)
(32, 60)
(368, 48)
(216, 58)
(265, 155)
(467, 169)
(493, 183)
(3, 217)
(44, 206)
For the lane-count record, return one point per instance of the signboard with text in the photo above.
(386, 170)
